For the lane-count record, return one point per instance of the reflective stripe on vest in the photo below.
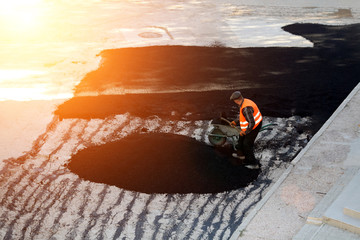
(257, 115)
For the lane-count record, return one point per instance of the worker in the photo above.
(250, 121)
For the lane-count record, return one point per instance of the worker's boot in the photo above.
(239, 155)
(254, 164)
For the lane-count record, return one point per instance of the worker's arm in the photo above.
(249, 116)
(235, 122)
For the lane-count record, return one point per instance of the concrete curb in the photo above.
(262, 202)
(310, 231)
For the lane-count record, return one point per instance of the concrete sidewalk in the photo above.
(311, 183)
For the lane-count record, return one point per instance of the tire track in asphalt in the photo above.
(7, 201)
(43, 165)
(73, 142)
(159, 217)
(177, 200)
(65, 138)
(236, 221)
(139, 204)
(228, 201)
(39, 142)
(141, 219)
(122, 213)
(94, 215)
(180, 200)
(14, 183)
(70, 195)
(53, 198)
(22, 214)
(155, 208)
(121, 224)
(72, 233)
(9, 207)
(113, 136)
(91, 131)
(132, 127)
(109, 216)
(96, 136)
(209, 222)
(168, 214)
(39, 187)
(177, 229)
(229, 229)
(199, 214)
(88, 204)
(109, 127)
(253, 192)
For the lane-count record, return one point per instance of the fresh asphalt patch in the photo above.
(191, 83)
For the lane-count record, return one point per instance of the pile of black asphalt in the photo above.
(161, 163)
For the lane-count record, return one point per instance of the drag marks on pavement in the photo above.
(41, 198)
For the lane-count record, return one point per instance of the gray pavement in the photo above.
(311, 183)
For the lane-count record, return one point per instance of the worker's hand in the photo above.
(242, 133)
(233, 124)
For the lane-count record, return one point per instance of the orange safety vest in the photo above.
(257, 115)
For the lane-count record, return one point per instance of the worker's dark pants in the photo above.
(246, 145)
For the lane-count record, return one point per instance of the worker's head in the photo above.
(237, 97)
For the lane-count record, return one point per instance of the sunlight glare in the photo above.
(15, 74)
(21, 94)
(9, 79)
(20, 15)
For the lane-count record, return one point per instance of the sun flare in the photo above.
(20, 15)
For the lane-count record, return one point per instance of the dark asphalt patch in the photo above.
(161, 163)
(283, 81)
